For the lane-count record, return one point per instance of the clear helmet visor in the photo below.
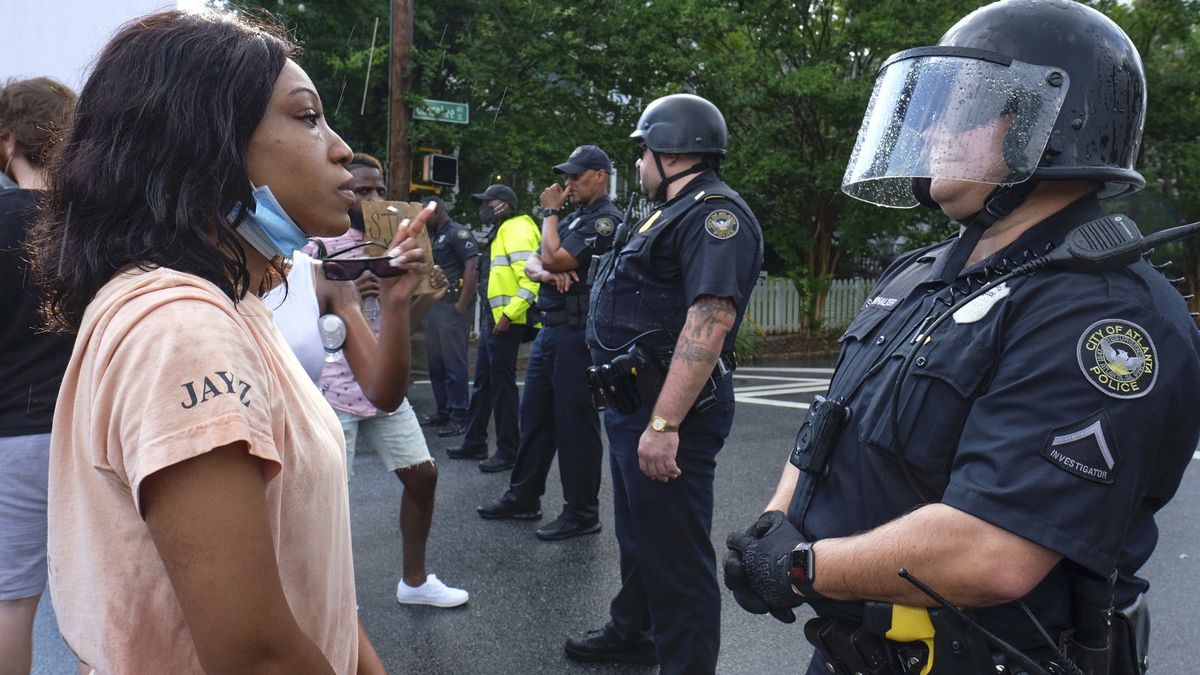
(955, 117)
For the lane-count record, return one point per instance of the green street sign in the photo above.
(442, 111)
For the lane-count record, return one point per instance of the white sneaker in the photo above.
(432, 592)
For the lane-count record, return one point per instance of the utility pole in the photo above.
(399, 161)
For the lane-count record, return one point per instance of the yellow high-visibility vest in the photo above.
(510, 291)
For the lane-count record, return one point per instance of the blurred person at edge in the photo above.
(33, 115)
(198, 513)
(388, 423)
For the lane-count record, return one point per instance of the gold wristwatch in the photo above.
(662, 426)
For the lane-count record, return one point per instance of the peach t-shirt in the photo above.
(166, 368)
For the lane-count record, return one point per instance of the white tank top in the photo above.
(296, 315)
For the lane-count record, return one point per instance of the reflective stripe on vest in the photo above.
(516, 256)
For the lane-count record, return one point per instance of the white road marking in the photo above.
(764, 369)
(768, 378)
(815, 385)
(780, 382)
(756, 394)
(771, 402)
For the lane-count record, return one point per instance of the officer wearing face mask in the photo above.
(506, 295)
(1009, 450)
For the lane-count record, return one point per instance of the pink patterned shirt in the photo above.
(337, 380)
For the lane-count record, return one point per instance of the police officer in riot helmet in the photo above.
(664, 310)
(1003, 431)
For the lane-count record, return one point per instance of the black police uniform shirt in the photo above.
(453, 245)
(644, 293)
(1056, 406)
(586, 232)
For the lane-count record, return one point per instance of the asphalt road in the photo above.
(527, 596)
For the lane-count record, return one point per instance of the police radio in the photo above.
(1109, 243)
(625, 229)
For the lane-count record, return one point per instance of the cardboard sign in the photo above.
(382, 219)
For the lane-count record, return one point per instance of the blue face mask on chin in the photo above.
(268, 228)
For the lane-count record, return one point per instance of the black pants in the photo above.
(668, 567)
(446, 336)
(495, 389)
(557, 414)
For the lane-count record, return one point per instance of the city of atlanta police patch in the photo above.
(721, 224)
(1118, 358)
(604, 226)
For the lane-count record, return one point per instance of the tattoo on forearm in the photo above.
(709, 321)
(692, 351)
(709, 314)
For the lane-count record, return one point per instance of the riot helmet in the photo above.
(1056, 86)
(682, 124)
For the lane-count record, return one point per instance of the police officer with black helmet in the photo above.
(664, 311)
(1001, 429)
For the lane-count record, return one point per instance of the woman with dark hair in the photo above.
(199, 519)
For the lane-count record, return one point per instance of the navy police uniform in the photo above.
(705, 241)
(446, 331)
(1055, 406)
(556, 407)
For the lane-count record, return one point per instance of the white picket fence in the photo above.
(774, 306)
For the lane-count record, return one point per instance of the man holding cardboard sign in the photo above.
(395, 435)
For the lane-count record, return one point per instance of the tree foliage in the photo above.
(1165, 32)
(792, 77)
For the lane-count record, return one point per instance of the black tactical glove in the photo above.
(758, 566)
(736, 581)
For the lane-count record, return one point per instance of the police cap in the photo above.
(497, 191)
(585, 157)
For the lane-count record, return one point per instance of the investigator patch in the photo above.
(605, 226)
(1084, 450)
(1118, 358)
(721, 224)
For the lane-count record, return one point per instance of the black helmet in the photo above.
(1057, 81)
(1099, 128)
(683, 124)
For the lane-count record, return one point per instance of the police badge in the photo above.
(721, 224)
